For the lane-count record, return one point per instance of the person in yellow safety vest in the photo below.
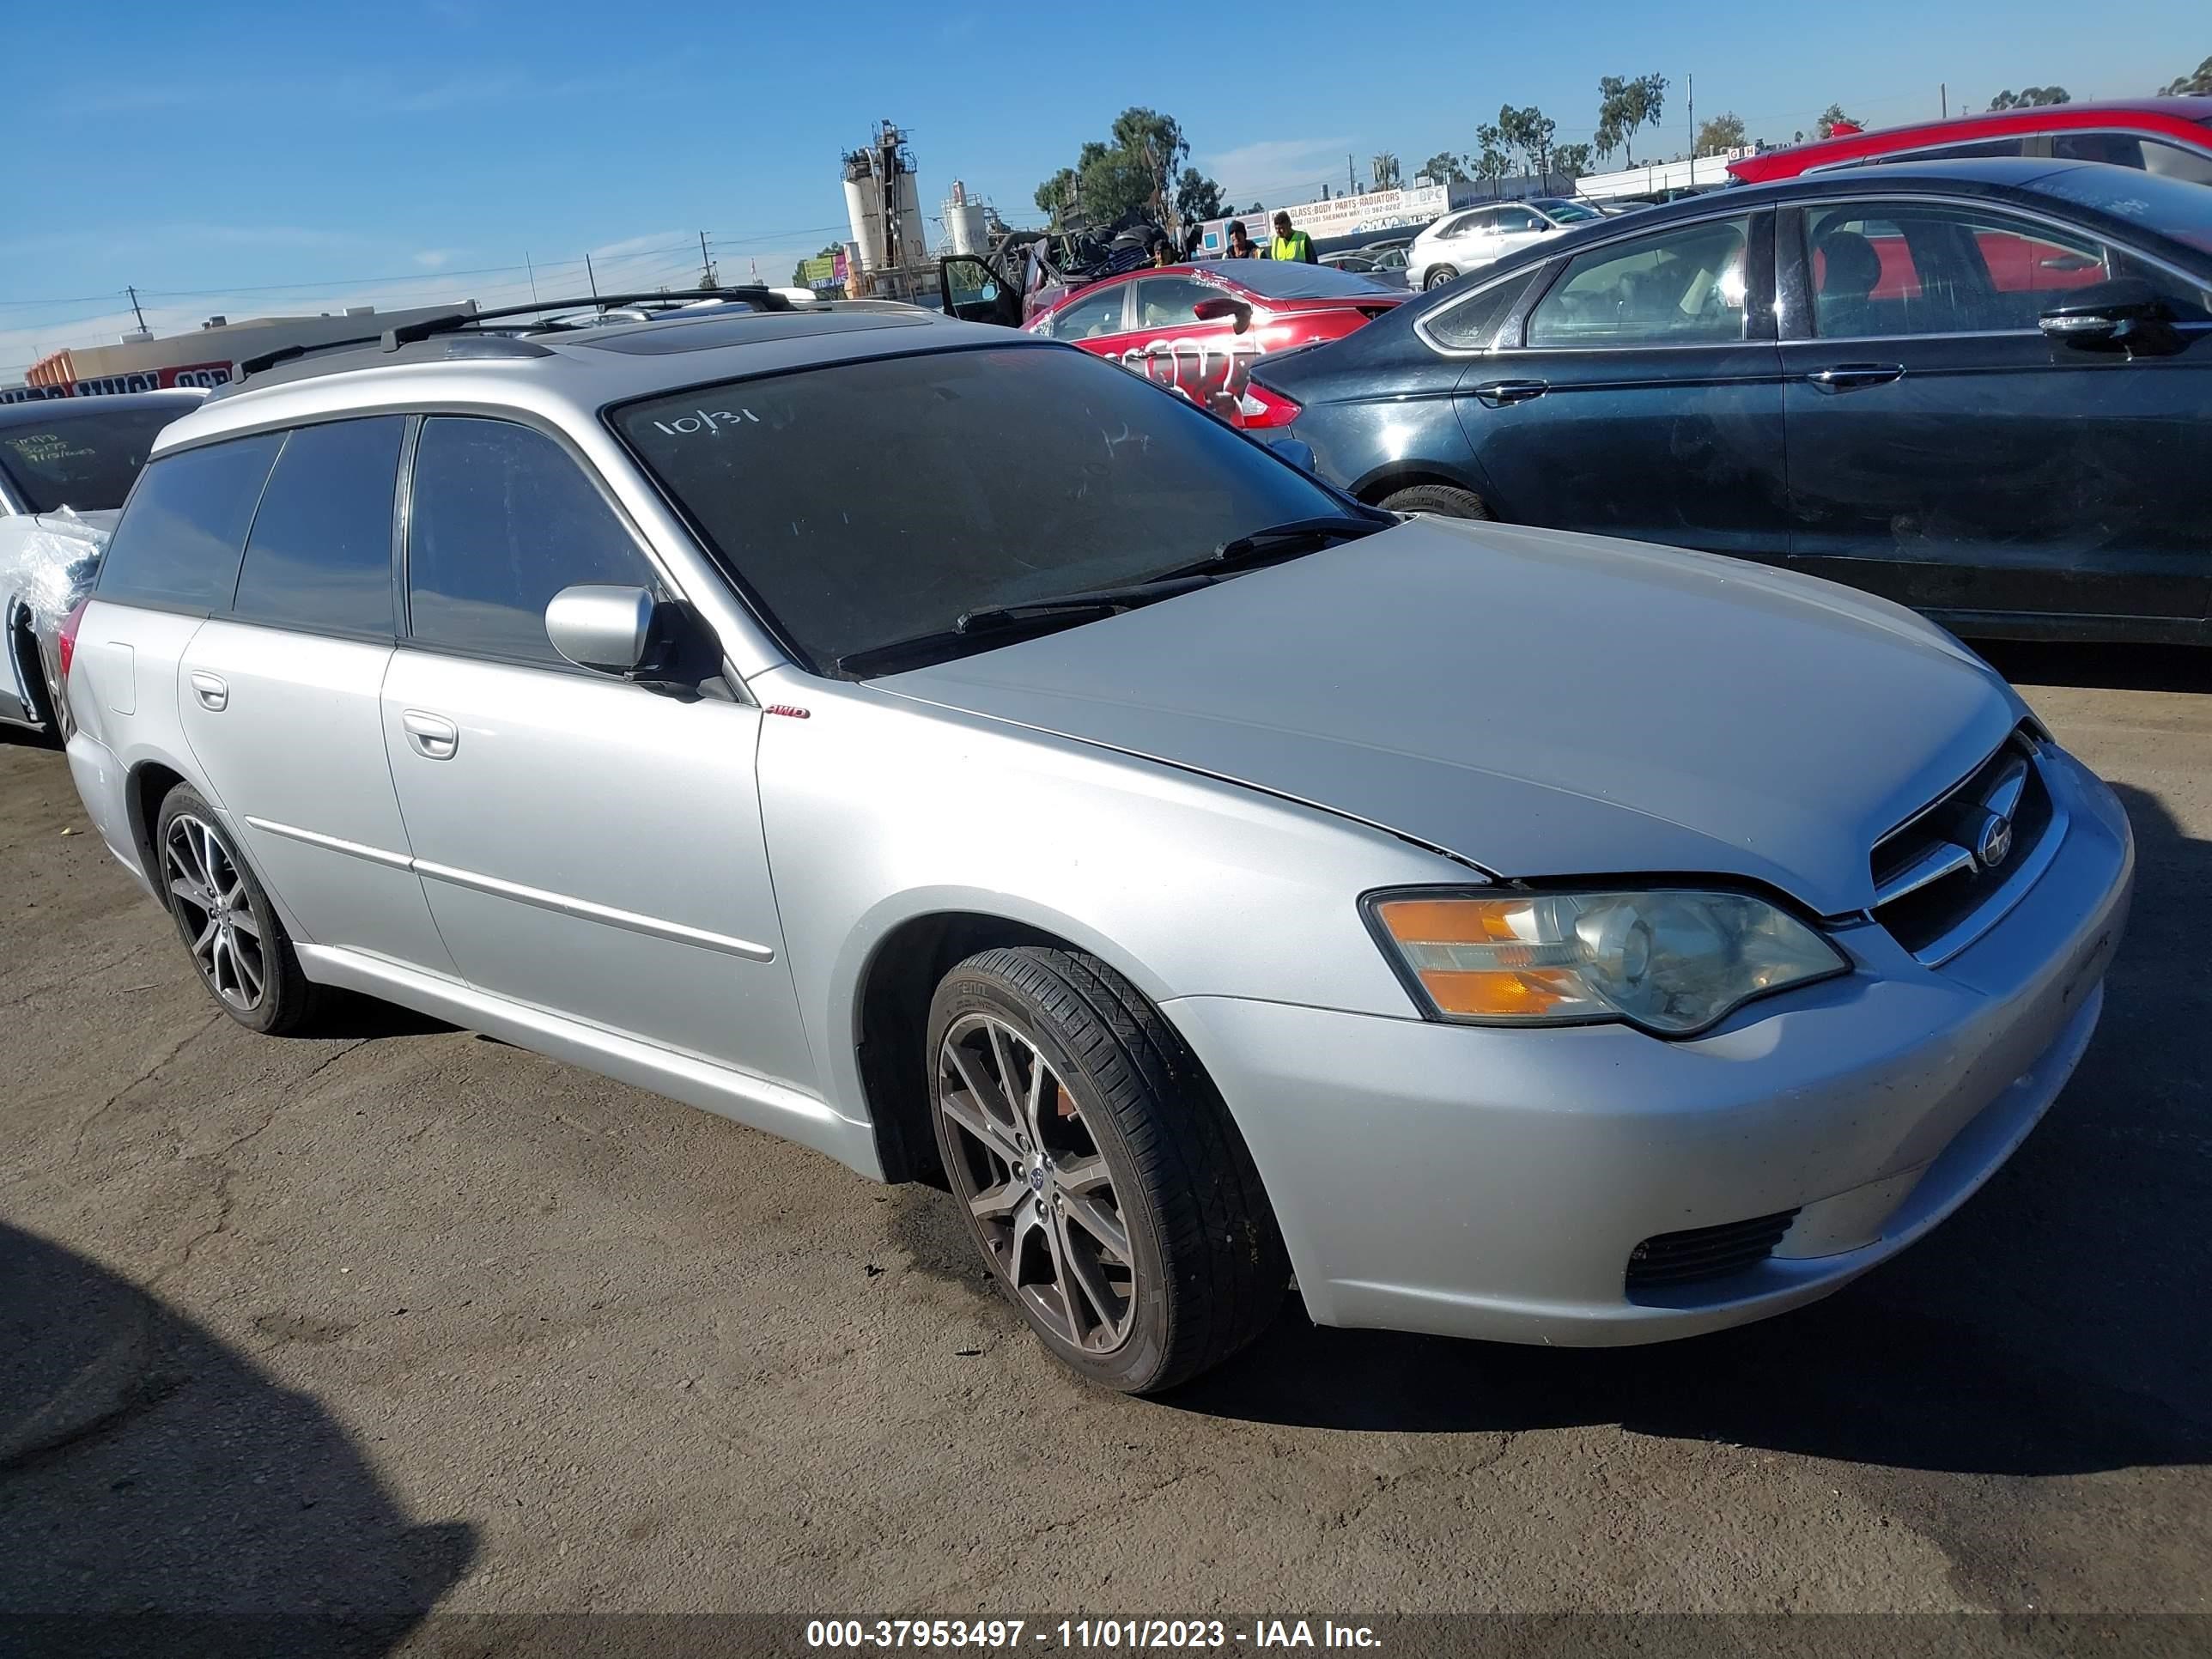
(1290, 244)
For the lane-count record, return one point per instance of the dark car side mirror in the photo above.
(1220, 305)
(1298, 451)
(2124, 314)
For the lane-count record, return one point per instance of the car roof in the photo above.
(38, 409)
(569, 378)
(1966, 128)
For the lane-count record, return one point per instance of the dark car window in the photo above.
(1089, 315)
(1957, 152)
(1914, 268)
(871, 502)
(178, 542)
(86, 460)
(2162, 204)
(1513, 219)
(1166, 302)
(501, 521)
(320, 553)
(1684, 285)
(1471, 323)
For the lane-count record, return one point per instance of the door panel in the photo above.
(1635, 406)
(595, 848)
(288, 731)
(1945, 454)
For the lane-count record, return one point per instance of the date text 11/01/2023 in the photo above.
(1084, 1634)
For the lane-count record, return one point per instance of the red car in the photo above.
(1199, 328)
(2168, 136)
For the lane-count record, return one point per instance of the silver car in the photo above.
(956, 755)
(1464, 242)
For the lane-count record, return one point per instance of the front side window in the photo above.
(1088, 316)
(1166, 302)
(1016, 473)
(86, 460)
(1683, 286)
(1905, 268)
(178, 542)
(502, 518)
(320, 553)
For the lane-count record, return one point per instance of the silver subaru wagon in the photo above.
(954, 754)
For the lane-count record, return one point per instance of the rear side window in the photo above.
(1469, 324)
(502, 519)
(320, 553)
(178, 542)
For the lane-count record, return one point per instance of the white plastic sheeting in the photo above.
(40, 564)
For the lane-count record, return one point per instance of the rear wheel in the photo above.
(244, 955)
(1439, 276)
(1100, 1173)
(1445, 500)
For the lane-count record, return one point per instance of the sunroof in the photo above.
(659, 339)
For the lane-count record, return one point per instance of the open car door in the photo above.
(974, 290)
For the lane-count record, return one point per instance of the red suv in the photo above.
(1199, 328)
(2168, 136)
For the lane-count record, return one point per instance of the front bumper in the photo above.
(1484, 1182)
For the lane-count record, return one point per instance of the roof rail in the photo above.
(425, 328)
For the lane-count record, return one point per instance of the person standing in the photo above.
(1241, 244)
(1290, 244)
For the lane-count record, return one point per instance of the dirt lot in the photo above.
(411, 1318)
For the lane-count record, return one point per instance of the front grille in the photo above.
(1700, 1252)
(1928, 877)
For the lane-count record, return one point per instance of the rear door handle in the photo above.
(211, 690)
(1498, 393)
(1850, 377)
(431, 736)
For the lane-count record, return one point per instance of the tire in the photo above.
(32, 668)
(1138, 1144)
(244, 956)
(1439, 276)
(1445, 500)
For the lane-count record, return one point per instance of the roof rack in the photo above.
(403, 334)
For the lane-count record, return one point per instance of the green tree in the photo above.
(2031, 98)
(1384, 169)
(1721, 133)
(1444, 169)
(1492, 161)
(1571, 161)
(2195, 84)
(1197, 197)
(1530, 130)
(1831, 118)
(1056, 195)
(1140, 169)
(1626, 107)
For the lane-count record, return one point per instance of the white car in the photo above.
(1459, 242)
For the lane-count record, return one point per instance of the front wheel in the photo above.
(1439, 276)
(1100, 1175)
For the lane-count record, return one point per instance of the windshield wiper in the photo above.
(1278, 541)
(997, 624)
(1105, 600)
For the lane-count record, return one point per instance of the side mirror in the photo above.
(1298, 451)
(2124, 314)
(609, 630)
(1222, 305)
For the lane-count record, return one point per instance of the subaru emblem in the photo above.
(1995, 846)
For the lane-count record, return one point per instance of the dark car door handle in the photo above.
(1498, 393)
(1850, 377)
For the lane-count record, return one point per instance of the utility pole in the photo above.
(1693, 100)
(1351, 178)
(706, 264)
(1943, 92)
(591, 277)
(135, 312)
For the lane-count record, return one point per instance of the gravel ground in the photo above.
(412, 1319)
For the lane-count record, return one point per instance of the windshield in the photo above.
(867, 502)
(1569, 213)
(2164, 204)
(86, 460)
(1291, 280)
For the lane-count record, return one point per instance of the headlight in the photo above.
(1672, 962)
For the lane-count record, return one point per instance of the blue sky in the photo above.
(250, 159)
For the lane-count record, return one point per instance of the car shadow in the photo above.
(2114, 667)
(160, 1492)
(2053, 1326)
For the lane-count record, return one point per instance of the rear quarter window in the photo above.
(178, 545)
(319, 556)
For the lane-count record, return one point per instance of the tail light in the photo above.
(1258, 407)
(66, 641)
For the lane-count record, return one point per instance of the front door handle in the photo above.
(1498, 393)
(1850, 377)
(211, 690)
(431, 736)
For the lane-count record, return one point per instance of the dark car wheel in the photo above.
(243, 954)
(1445, 500)
(1098, 1169)
(42, 701)
(1439, 276)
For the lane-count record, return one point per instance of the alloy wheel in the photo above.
(1036, 1184)
(207, 885)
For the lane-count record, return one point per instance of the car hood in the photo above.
(1535, 702)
